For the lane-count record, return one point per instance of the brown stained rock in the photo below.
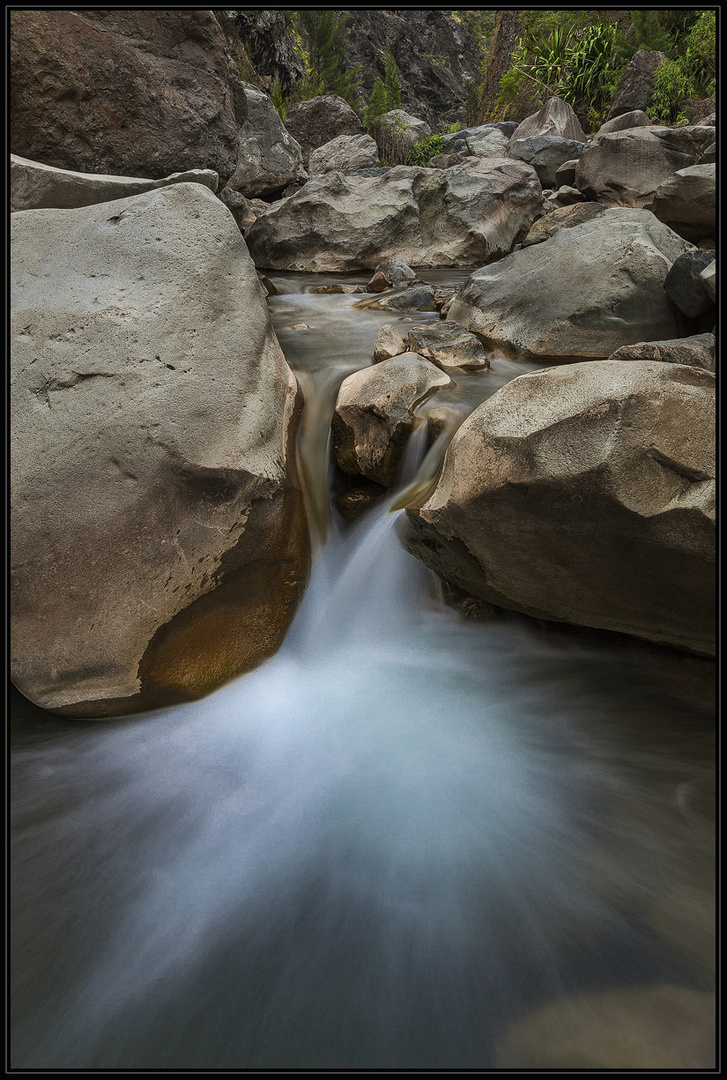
(585, 494)
(122, 92)
(159, 542)
(562, 217)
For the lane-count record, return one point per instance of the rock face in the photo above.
(316, 122)
(345, 154)
(158, 540)
(636, 89)
(697, 351)
(585, 494)
(114, 91)
(687, 201)
(582, 294)
(268, 157)
(684, 285)
(625, 168)
(374, 414)
(34, 186)
(463, 216)
(555, 118)
(546, 153)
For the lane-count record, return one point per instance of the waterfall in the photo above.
(374, 851)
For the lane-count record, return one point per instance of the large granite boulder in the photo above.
(563, 217)
(546, 153)
(696, 351)
(625, 168)
(158, 539)
(636, 89)
(581, 294)
(374, 414)
(346, 154)
(123, 91)
(463, 216)
(684, 284)
(34, 186)
(268, 157)
(687, 201)
(585, 494)
(487, 142)
(634, 118)
(315, 122)
(555, 118)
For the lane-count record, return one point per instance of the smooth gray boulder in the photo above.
(487, 142)
(346, 154)
(546, 153)
(696, 351)
(464, 216)
(683, 284)
(687, 201)
(389, 342)
(581, 294)
(374, 414)
(585, 494)
(555, 118)
(634, 118)
(562, 217)
(268, 157)
(450, 347)
(34, 186)
(625, 168)
(317, 121)
(159, 544)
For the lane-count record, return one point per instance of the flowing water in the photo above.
(403, 833)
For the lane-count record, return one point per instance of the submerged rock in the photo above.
(374, 414)
(417, 298)
(467, 215)
(582, 293)
(389, 342)
(585, 494)
(159, 542)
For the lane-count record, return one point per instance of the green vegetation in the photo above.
(391, 82)
(423, 151)
(690, 74)
(320, 43)
(385, 96)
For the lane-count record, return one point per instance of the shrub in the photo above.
(423, 151)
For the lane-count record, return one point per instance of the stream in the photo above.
(389, 845)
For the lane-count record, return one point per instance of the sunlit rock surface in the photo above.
(585, 494)
(158, 546)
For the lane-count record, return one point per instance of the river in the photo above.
(391, 846)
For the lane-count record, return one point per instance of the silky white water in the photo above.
(376, 850)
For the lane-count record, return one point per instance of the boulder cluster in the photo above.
(159, 543)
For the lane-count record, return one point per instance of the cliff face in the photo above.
(437, 57)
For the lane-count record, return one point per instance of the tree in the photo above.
(391, 82)
(323, 35)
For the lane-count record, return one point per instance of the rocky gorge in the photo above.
(534, 316)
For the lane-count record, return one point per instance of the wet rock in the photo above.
(636, 90)
(546, 153)
(356, 500)
(464, 216)
(697, 351)
(159, 540)
(318, 121)
(391, 273)
(346, 154)
(34, 186)
(389, 342)
(374, 414)
(417, 298)
(684, 285)
(644, 1027)
(625, 168)
(450, 347)
(687, 201)
(583, 293)
(348, 289)
(555, 118)
(268, 157)
(123, 91)
(585, 494)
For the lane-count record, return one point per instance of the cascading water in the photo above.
(378, 850)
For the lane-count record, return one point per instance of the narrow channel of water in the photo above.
(401, 835)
